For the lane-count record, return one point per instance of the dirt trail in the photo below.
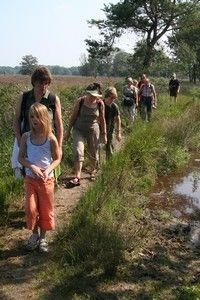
(19, 268)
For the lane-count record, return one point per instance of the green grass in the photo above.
(115, 247)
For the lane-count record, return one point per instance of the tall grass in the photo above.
(109, 219)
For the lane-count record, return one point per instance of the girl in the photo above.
(39, 153)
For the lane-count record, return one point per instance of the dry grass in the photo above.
(67, 81)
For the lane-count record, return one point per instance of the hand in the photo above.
(45, 175)
(104, 138)
(37, 171)
(118, 136)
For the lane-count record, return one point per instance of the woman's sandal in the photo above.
(73, 182)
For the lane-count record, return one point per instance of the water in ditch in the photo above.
(180, 195)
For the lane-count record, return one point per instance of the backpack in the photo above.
(28, 100)
(129, 100)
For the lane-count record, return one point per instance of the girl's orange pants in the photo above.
(39, 205)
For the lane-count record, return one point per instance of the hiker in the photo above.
(40, 154)
(40, 80)
(113, 120)
(130, 99)
(87, 119)
(174, 87)
(148, 99)
(141, 80)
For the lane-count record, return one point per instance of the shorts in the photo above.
(92, 140)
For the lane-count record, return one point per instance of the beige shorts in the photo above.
(79, 141)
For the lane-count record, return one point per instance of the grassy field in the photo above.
(116, 246)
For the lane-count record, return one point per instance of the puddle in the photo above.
(180, 195)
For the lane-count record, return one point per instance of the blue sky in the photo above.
(51, 30)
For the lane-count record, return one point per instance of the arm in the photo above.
(73, 118)
(118, 128)
(103, 122)
(17, 120)
(136, 97)
(56, 156)
(178, 90)
(58, 122)
(154, 96)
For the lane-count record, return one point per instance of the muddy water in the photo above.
(180, 196)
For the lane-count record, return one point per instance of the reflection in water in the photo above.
(189, 187)
(180, 195)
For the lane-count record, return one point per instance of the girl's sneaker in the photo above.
(43, 246)
(33, 242)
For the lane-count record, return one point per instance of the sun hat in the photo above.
(94, 93)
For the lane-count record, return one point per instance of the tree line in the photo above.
(168, 41)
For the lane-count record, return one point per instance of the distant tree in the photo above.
(185, 45)
(28, 64)
(121, 64)
(150, 20)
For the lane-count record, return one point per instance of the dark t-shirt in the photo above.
(111, 111)
(174, 84)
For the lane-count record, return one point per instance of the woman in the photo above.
(148, 99)
(130, 99)
(87, 119)
(40, 80)
(174, 87)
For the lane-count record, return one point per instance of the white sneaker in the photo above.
(43, 246)
(33, 242)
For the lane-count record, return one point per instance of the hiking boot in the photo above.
(33, 242)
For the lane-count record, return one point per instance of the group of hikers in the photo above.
(139, 96)
(39, 136)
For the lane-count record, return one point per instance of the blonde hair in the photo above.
(135, 82)
(41, 112)
(111, 91)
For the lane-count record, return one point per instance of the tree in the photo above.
(150, 19)
(185, 45)
(28, 64)
(121, 64)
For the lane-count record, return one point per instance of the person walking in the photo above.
(130, 99)
(174, 87)
(39, 153)
(41, 79)
(86, 123)
(113, 120)
(148, 99)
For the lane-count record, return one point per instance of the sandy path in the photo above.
(19, 268)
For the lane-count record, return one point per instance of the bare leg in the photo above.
(78, 167)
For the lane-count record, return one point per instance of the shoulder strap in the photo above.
(80, 105)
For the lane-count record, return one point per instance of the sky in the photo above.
(53, 31)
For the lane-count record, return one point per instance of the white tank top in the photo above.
(39, 155)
